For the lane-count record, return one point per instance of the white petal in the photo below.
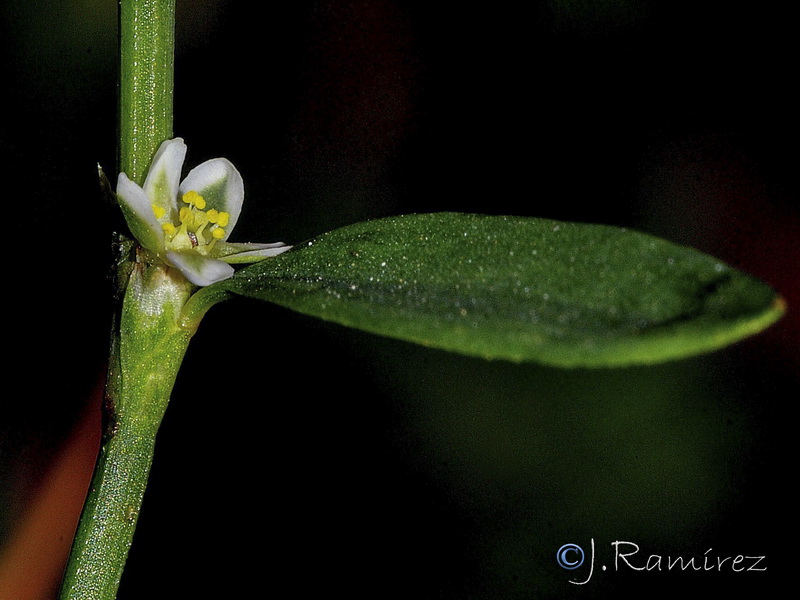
(221, 185)
(249, 253)
(161, 184)
(138, 212)
(199, 269)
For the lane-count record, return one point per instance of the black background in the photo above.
(297, 453)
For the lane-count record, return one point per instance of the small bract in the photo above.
(186, 223)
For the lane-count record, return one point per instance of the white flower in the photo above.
(187, 225)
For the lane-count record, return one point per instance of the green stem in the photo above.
(147, 67)
(148, 352)
(150, 343)
(109, 518)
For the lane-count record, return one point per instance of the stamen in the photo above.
(198, 232)
(194, 199)
(158, 211)
(186, 216)
(198, 228)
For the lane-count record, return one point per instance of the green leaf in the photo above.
(520, 289)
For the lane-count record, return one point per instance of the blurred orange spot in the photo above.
(33, 559)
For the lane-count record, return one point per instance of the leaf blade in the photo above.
(519, 289)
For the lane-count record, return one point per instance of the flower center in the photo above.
(197, 228)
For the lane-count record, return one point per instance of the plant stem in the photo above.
(149, 345)
(147, 75)
(104, 537)
(144, 364)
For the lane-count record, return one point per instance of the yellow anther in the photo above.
(194, 199)
(218, 233)
(168, 228)
(223, 218)
(185, 215)
(213, 215)
(159, 211)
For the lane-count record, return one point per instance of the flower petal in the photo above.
(138, 212)
(161, 184)
(221, 185)
(234, 254)
(198, 269)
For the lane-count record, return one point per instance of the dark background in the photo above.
(297, 453)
